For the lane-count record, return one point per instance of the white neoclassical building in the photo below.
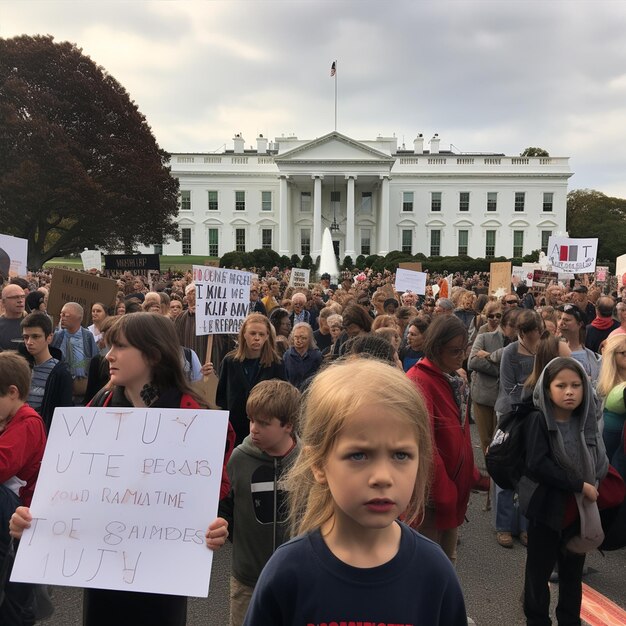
(373, 195)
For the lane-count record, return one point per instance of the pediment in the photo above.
(334, 148)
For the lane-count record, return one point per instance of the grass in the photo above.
(174, 262)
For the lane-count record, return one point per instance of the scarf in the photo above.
(602, 323)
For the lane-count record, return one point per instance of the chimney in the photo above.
(418, 144)
(239, 142)
(261, 144)
(434, 144)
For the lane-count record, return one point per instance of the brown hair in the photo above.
(274, 398)
(268, 351)
(14, 371)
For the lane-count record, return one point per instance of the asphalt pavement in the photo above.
(491, 577)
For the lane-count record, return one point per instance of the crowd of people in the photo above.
(307, 382)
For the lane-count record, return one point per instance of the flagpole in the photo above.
(335, 96)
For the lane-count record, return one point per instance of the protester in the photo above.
(14, 302)
(412, 352)
(98, 315)
(602, 325)
(571, 327)
(303, 358)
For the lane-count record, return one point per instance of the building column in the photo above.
(383, 222)
(317, 216)
(349, 251)
(284, 223)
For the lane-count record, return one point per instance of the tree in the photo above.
(530, 152)
(590, 213)
(79, 166)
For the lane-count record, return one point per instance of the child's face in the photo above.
(255, 336)
(566, 393)
(127, 364)
(35, 340)
(269, 435)
(9, 404)
(371, 471)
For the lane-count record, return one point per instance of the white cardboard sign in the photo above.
(299, 278)
(13, 256)
(222, 299)
(92, 260)
(123, 500)
(408, 280)
(575, 256)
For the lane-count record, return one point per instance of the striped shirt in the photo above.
(38, 382)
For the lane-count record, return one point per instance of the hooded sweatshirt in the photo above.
(255, 507)
(557, 466)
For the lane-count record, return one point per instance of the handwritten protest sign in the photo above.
(577, 256)
(92, 260)
(299, 278)
(408, 280)
(85, 289)
(13, 256)
(132, 262)
(123, 500)
(222, 299)
(500, 278)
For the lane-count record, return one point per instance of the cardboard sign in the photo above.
(123, 500)
(222, 299)
(414, 267)
(500, 278)
(409, 280)
(13, 256)
(92, 260)
(602, 273)
(299, 278)
(85, 289)
(131, 262)
(576, 256)
(543, 278)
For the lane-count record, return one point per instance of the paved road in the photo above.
(491, 577)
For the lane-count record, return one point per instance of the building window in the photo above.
(214, 241)
(240, 239)
(240, 200)
(492, 200)
(464, 201)
(548, 198)
(185, 234)
(185, 200)
(545, 236)
(407, 241)
(490, 244)
(435, 201)
(305, 201)
(366, 241)
(463, 242)
(213, 204)
(520, 199)
(435, 243)
(407, 201)
(305, 241)
(266, 238)
(158, 248)
(366, 203)
(266, 201)
(518, 244)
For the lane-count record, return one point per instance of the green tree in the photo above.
(530, 152)
(79, 166)
(590, 213)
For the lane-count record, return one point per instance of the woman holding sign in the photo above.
(146, 371)
(254, 360)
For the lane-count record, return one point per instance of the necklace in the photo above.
(526, 348)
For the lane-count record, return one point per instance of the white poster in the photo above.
(13, 256)
(620, 270)
(222, 299)
(408, 280)
(575, 256)
(518, 276)
(92, 260)
(123, 501)
(299, 278)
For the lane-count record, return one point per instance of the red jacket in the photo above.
(21, 449)
(454, 472)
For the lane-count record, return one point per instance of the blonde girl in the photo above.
(610, 388)
(365, 462)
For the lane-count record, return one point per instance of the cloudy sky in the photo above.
(495, 75)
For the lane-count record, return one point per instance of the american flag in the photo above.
(333, 68)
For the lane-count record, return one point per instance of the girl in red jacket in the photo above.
(444, 386)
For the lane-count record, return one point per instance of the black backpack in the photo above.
(506, 455)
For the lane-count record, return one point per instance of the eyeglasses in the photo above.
(494, 316)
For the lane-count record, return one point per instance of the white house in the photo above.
(373, 195)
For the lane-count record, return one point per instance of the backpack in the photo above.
(506, 455)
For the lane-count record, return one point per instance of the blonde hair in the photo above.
(609, 376)
(268, 351)
(385, 321)
(330, 400)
